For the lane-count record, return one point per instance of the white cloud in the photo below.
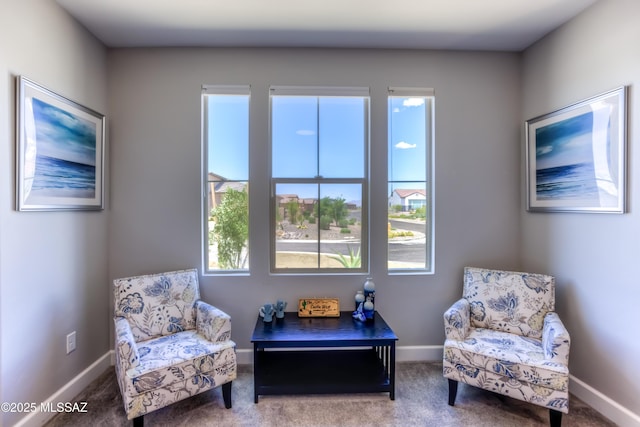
(306, 132)
(413, 102)
(404, 145)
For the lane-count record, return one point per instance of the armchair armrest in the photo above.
(456, 320)
(126, 348)
(212, 323)
(555, 339)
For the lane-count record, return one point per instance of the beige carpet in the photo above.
(421, 400)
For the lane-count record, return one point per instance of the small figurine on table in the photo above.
(359, 313)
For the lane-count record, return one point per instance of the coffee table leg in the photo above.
(256, 371)
(392, 370)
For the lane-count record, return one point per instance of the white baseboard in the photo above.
(67, 392)
(419, 353)
(608, 407)
(244, 356)
(424, 353)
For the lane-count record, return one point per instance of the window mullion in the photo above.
(319, 222)
(318, 139)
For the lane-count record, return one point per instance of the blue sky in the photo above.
(300, 123)
(228, 128)
(407, 135)
(63, 135)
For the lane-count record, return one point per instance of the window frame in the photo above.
(222, 90)
(320, 92)
(429, 183)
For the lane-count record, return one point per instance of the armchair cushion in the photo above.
(509, 301)
(186, 355)
(158, 304)
(508, 355)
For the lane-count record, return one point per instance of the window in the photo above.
(319, 179)
(410, 179)
(226, 178)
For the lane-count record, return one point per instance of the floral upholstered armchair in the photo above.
(504, 336)
(169, 345)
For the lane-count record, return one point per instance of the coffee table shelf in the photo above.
(323, 355)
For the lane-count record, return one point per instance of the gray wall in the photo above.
(154, 102)
(53, 265)
(593, 256)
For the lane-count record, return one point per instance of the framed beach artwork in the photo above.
(59, 152)
(576, 157)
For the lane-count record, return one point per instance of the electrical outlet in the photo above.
(71, 342)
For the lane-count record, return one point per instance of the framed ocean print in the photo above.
(59, 152)
(576, 157)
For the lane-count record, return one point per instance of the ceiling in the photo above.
(505, 25)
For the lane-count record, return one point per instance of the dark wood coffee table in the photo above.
(301, 355)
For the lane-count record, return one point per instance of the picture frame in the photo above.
(576, 156)
(59, 151)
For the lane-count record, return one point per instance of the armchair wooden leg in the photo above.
(226, 394)
(138, 421)
(453, 390)
(555, 418)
